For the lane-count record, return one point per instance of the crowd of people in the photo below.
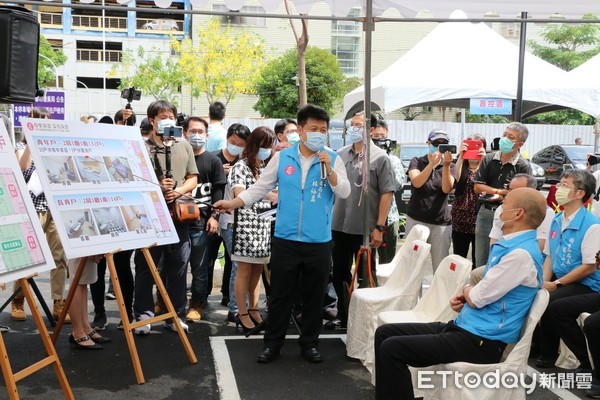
(290, 210)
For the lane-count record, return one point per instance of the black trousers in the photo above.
(345, 248)
(564, 314)
(460, 245)
(398, 346)
(546, 333)
(292, 264)
(123, 267)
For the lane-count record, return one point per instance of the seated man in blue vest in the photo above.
(569, 268)
(492, 312)
(309, 176)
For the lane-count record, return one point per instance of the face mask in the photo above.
(234, 150)
(164, 123)
(501, 223)
(197, 141)
(562, 196)
(506, 145)
(315, 141)
(263, 154)
(432, 148)
(293, 138)
(355, 136)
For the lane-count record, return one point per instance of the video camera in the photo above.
(386, 144)
(594, 159)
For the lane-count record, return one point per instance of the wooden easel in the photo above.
(128, 327)
(11, 378)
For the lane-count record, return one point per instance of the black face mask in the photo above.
(385, 144)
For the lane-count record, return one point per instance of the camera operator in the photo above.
(125, 116)
(181, 180)
(380, 138)
(594, 159)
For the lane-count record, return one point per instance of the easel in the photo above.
(52, 359)
(128, 327)
(39, 296)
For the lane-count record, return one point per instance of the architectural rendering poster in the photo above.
(23, 247)
(100, 186)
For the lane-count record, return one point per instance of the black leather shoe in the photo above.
(312, 355)
(545, 362)
(334, 324)
(268, 354)
(594, 391)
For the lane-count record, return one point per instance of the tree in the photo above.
(150, 72)
(277, 90)
(571, 45)
(301, 45)
(46, 71)
(224, 62)
(410, 113)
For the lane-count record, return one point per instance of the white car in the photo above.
(161, 25)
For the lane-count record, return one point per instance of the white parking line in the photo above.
(563, 394)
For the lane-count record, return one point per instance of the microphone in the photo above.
(323, 173)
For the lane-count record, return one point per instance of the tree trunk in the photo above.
(302, 44)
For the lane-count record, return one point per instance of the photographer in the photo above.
(594, 159)
(181, 180)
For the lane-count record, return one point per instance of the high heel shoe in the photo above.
(100, 339)
(239, 323)
(256, 322)
(76, 343)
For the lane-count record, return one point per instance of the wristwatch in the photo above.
(380, 228)
(558, 283)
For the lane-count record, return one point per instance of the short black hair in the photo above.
(240, 130)
(158, 106)
(186, 123)
(311, 111)
(119, 117)
(282, 123)
(381, 124)
(216, 111)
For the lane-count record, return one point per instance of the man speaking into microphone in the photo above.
(301, 246)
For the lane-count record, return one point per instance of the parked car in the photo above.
(161, 25)
(336, 131)
(407, 151)
(556, 158)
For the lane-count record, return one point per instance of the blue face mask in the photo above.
(506, 145)
(197, 141)
(293, 138)
(432, 148)
(315, 141)
(263, 153)
(234, 150)
(355, 136)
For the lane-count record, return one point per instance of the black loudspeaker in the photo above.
(20, 36)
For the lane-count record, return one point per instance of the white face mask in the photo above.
(164, 123)
(501, 223)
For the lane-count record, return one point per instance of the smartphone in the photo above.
(447, 147)
(173, 131)
(473, 147)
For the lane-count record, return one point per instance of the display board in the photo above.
(100, 186)
(23, 247)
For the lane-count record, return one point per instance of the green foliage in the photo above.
(276, 84)
(46, 72)
(153, 73)
(485, 119)
(570, 45)
(561, 117)
(222, 63)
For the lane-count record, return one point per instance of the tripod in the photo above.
(39, 296)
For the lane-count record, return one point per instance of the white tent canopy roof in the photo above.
(461, 60)
(587, 76)
(439, 8)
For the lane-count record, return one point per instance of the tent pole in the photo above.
(368, 27)
(522, 43)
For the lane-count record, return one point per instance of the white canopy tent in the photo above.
(483, 66)
(587, 75)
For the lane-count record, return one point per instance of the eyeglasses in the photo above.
(436, 143)
(566, 186)
(197, 132)
(357, 127)
(290, 131)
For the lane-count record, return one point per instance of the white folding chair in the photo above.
(566, 358)
(418, 232)
(399, 293)
(515, 365)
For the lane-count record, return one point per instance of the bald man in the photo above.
(492, 312)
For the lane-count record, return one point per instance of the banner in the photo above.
(52, 101)
(100, 186)
(491, 106)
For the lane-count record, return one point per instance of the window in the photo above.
(345, 43)
(426, 110)
(241, 20)
(92, 51)
(96, 83)
(57, 44)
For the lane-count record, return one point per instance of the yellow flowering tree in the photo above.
(222, 62)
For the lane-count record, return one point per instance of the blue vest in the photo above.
(503, 319)
(565, 246)
(303, 214)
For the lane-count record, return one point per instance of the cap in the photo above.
(438, 134)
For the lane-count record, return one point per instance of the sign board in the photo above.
(100, 186)
(23, 247)
(491, 106)
(53, 101)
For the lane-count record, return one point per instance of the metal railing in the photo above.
(92, 22)
(50, 20)
(93, 55)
